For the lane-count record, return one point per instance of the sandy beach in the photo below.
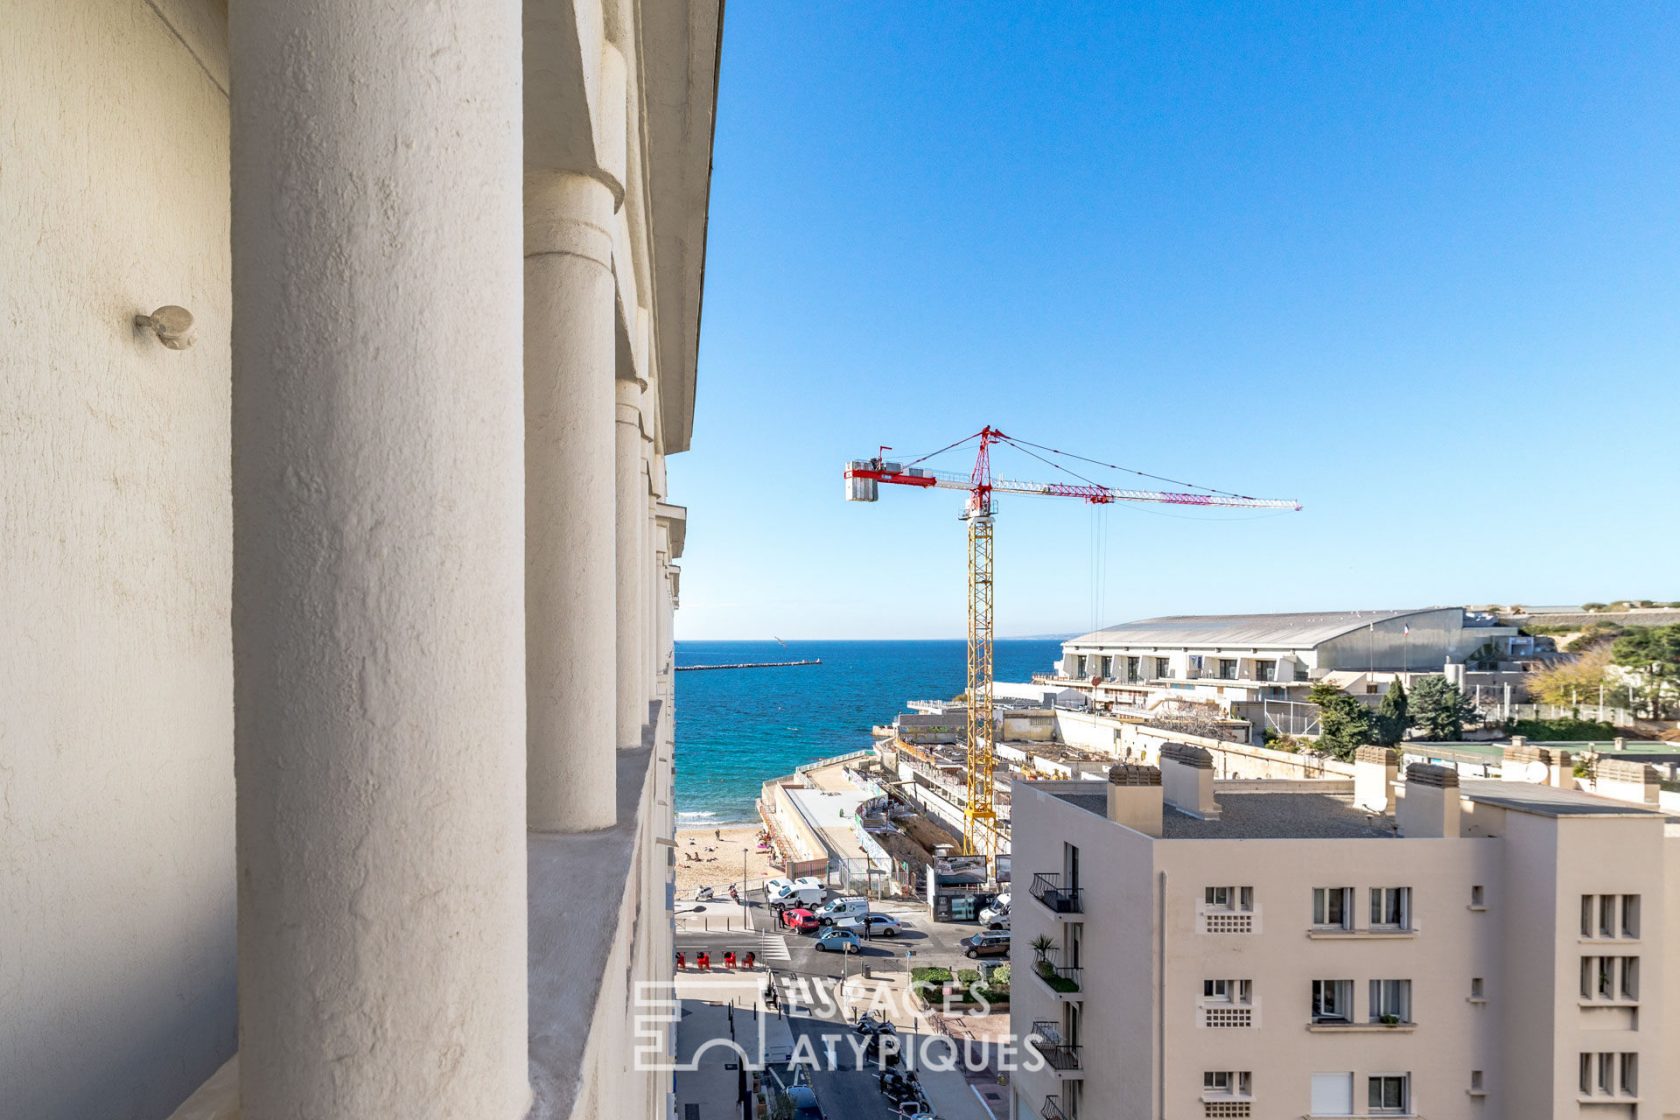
(719, 863)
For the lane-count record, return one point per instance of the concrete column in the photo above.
(570, 552)
(650, 588)
(631, 491)
(378, 606)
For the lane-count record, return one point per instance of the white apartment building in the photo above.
(1491, 950)
(1238, 663)
(345, 346)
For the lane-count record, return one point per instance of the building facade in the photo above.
(1256, 667)
(1496, 949)
(347, 344)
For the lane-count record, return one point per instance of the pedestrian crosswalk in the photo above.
(772, 947)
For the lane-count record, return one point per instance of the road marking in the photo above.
(773, 947)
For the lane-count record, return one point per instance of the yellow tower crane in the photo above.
(863, 479)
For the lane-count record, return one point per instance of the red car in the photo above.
(800, 919)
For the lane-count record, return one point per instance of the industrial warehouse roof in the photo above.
(1288, 631)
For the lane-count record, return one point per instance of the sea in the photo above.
(737, 728)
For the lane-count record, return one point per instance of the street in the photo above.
(804, 979)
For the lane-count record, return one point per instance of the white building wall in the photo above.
(116, 711)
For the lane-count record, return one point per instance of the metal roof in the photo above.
(1288, 631)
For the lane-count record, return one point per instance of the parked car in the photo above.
(990, 943)
(800, 919)
(999, 922)
(841, 941)
(994, 910)
(835, 908)
(871, 925)
(804, 1103)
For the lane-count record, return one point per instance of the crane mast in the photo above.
(863, 479)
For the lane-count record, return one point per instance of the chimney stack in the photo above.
(1187, 779)
(1375, 770)
(1431, 806)
(1539, 766)
(1134, 797)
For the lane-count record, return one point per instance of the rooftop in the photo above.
(1289, 631)
(1253, 815)
(1549, 801)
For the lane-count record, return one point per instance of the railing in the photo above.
(1048, 889)
(1059, 978)
(1052, 1109)
(1057, 1054)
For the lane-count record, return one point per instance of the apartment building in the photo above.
(1185, 947)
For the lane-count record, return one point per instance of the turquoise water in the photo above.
(738, 727)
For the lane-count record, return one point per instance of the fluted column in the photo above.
(378, 626)
(631, 492)
(570, 555)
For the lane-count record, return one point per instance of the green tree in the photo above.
(1652, 655)
(1344, 723)
(1393, 718)
(1440, 710)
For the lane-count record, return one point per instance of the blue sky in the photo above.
(1418, 267)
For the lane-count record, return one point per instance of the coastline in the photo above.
(719, 862)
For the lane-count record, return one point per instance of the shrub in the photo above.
(1562, 730)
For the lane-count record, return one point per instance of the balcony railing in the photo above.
(1048, 890)
(1052, 1109)
(1057, 1054)
(1060, 978)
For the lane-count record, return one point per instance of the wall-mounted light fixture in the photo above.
(172, 325)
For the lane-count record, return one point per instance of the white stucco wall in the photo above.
(116, 716)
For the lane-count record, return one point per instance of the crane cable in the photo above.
(1022, 445)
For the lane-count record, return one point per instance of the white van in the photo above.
(852, 906)
(776, 885)
(799, 893)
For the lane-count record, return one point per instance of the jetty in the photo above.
(754, 665)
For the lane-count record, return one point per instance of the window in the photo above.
(1333, 907)
(1475, 1081)
(1391, 1001)
(1607, 915)
(1605, 1074)
(1227, 1083)
(1332, 1001)
(1476, 988)
(1163, 667)
(1391, 907)
(1300, 671)
(1586, 915)
(1389, 1093)
(1228, 898)
(1599, 976)
(1228, 991)
(1133, 672)
(1265, 670)
(1227, 669)
(1630, 915)
(1630, 1074)
(1332, 1094)
(1478, 898)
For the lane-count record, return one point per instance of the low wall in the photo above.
(1137, 742)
